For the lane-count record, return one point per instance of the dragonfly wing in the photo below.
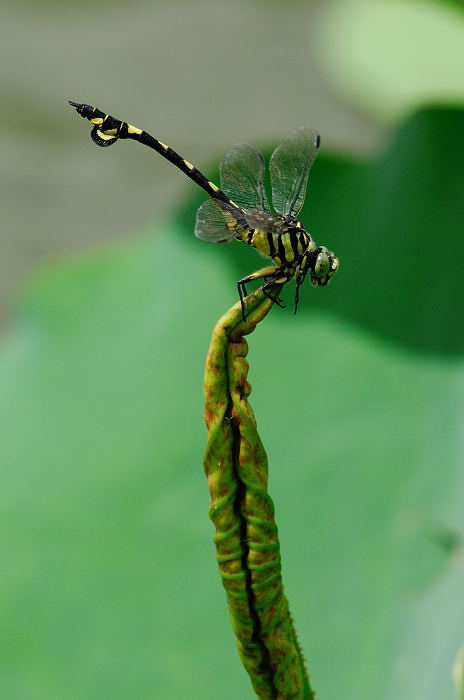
(217, 222)
(262, 221)
(289, 167)
(242, 177)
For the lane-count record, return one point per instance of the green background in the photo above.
(109, 587)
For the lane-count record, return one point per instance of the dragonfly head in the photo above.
(322, 265)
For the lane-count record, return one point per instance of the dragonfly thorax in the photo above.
(278, 237)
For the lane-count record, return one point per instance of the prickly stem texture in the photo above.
(242, 511)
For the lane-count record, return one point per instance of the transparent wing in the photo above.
(289, 167)
(217, 222)
(262, 221)
(242, 177)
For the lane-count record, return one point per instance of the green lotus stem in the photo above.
(242, 511)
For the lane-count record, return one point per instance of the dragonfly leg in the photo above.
(297, 293)
(299, 279)
(266, 289)
(265, 272)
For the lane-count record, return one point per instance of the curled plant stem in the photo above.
(242, 511)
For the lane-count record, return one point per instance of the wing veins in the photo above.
(289, 168)
(242, 177)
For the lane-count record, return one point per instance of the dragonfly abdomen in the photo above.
(107, 130)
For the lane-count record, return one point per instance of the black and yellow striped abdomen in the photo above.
(107, 130)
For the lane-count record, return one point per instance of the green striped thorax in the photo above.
(321, 262)
(284, 239)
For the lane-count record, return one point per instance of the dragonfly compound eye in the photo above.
(325, 265)
(322, 265)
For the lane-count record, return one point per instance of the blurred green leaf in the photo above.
(109, 586)
(459, 4)
(390, 57)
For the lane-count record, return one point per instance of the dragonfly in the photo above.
(240, 209)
